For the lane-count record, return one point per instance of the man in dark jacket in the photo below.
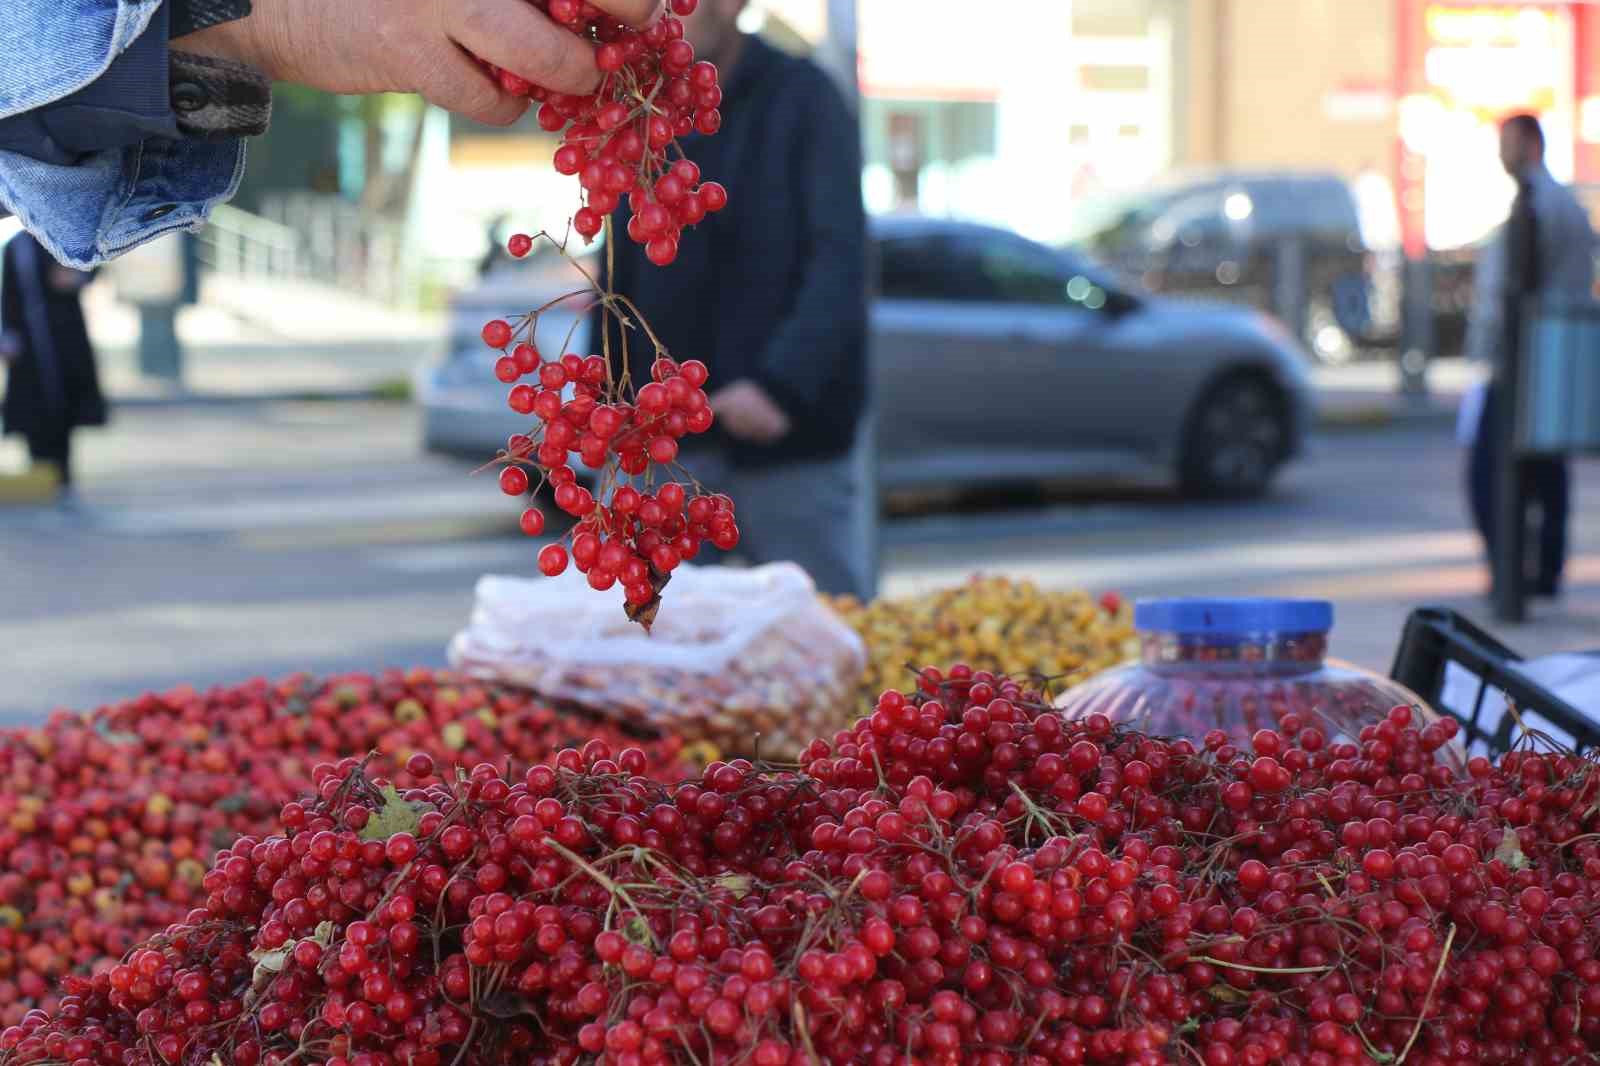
(771, 295)
(51, 384)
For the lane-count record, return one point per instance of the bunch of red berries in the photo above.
(632, 537)
(617, 138)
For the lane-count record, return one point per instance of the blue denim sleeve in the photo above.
(91, 160)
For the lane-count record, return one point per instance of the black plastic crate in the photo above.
(1440, 649)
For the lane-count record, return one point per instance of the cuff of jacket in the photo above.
(117, 199)
(217, 100)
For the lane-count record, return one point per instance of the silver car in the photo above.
(995, 360)
(998, 359)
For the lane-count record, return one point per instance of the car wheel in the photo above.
(1235, 440)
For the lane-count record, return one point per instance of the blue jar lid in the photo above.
(1237, 617)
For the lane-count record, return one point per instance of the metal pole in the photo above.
(159, 353)
(1292, 297)
(1510, 591)
(1417, 340)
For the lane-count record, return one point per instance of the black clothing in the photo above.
(1547, 483)
(773, 288)
(52, 386)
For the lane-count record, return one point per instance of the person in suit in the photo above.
(52, 386)
(1546, 250)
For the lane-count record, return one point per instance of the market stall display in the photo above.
(962, 877)
(1237, 666)
(992, 623)
(748, 660)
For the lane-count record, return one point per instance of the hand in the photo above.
(746, 411)
(420, 46)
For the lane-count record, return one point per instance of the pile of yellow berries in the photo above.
(991, 623)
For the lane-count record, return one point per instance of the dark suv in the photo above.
(1221, 234)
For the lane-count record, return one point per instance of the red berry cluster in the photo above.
(964, 877)
(616, 139)
(627, 536)
(107, 821)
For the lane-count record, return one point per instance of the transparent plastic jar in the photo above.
(1238, 666)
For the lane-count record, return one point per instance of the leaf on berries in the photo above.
(1510, 850)
(233, 804)
(395, 816)
(1226, 994)
(487, 716)
(738, 884)
(298, 707)
(637, 931)
(347, 696)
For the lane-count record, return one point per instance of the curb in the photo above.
(185, 398)
(1385, 416)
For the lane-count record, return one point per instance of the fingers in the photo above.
(633, 12)
(518, 37)
(457, 84)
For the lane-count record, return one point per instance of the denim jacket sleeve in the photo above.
(94, 159)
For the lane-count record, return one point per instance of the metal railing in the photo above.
(318, 239)
(237, 243)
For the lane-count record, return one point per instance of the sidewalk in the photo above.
(259, 341)
(1365, 395)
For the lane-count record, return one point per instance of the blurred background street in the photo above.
(216, 543)
(1216, 274)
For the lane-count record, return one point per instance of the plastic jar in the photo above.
(1238, 666)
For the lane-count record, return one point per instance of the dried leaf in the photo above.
(395, 816)
(1226, 994)
(1510, 850)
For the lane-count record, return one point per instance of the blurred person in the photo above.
(52, 386)
(121, 120)
(771, 295)
(1545, 249)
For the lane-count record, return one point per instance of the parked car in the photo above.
(1219, 234)
(463, 405)
(999, 360)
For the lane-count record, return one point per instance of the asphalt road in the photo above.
(218, 543)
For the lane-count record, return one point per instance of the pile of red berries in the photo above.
(107, 821)
(963, 877)
(617, 139)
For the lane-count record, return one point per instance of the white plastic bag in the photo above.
(749, 660)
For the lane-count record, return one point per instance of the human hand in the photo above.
(421, 46)
(746, 411)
